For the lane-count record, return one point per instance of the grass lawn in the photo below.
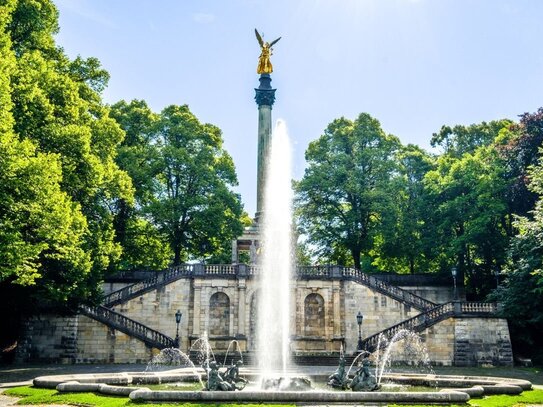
(32, 395)
(526, 398)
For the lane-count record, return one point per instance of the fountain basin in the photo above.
(454, 389)
(292, 396)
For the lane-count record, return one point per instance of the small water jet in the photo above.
(412, 351)
(237, 349)
(201, 350)
(173, 357)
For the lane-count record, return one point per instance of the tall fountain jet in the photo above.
(273, 334)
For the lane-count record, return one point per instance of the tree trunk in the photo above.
(356, 259)
(177, 254)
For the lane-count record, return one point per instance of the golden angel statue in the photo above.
(264, 64)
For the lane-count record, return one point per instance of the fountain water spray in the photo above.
(407, 346)
(169, 357)
(236, 349)
(273, 329)
(203, 350)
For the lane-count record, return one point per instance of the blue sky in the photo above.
(413, 64)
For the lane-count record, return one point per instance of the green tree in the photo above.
(343, 196)
(42, 230)
(522, 294)
(144, 246)
(407, 236)
(60, 179)
(469, 197)
(193, 204)
(138, 151)
(519, 150)
(458, 140)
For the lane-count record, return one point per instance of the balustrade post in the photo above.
(241, 270)
(457, 310)
(335, 272)
(199, 269)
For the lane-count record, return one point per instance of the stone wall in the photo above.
(49, 338)
(439, 341)
(458, 342)
(379, 311)
(77, 339)
(482, 342)
(157, 309)
(323, 319)
(97, 343)
(318, 316)
(436, 294)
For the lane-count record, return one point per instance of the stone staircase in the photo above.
(115, 320)
(431, 317)
(156, 339)
(385, 288)
(141, 287)
(431, 313)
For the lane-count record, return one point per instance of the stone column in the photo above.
(265, 96)
(196, 312)
(242, 286)
(336, 304)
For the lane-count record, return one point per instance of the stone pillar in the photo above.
(336, 303)
(242, 286)
(196, 309)
(265, 96)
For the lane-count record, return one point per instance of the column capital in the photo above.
(265, 94)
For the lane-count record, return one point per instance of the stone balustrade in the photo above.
(129, 326)
(431, 317)
(326, 272)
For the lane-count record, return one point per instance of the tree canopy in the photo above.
(59, 174)
(343, 196)
(183, 179)
(87, 189)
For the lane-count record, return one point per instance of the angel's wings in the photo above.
(259, 38)
(274, 41)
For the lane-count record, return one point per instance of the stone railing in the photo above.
(431, 317)
(383, 287)
(221, 269)
(149, 336)
(317, 271)
(141, 287)
(242, 270)
(476, 308)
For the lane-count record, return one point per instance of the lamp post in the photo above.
(359, 319)
(454, 272)
(178, 316)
